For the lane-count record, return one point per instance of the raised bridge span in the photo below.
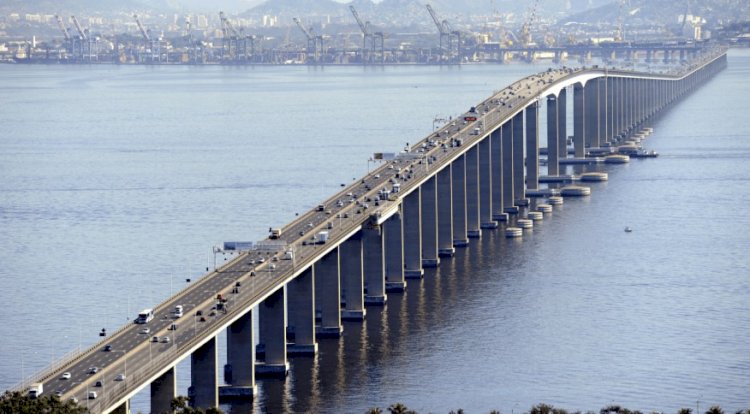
(408, 214)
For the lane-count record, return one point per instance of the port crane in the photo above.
(314, 43)
(446, 32)
(232, 36)
(366, 32)
(68, 39)
(85, 50)
(152, 46)
(526, 39)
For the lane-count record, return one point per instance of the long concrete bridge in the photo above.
(369, 239)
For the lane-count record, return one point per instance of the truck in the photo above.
(35, 390)
(275, 233)
(321, 237)
(288, 255)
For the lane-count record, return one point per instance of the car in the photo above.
(146, 330)
(93, 370)
(261, 260)
(199, 313)
(120, 377)
(92, 395)
(107, 348)
(238, 283)
(173, 327)
(65, 376)
(58, 393)
(74, 400)
(203, 319)
(155, 339)
(275, 259)
(98, 384)
(165, 340)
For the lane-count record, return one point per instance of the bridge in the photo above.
(365, 242)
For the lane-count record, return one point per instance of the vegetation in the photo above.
(400, 408)
(17, 403)
(180, 406)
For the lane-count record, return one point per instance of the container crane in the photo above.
(526, 39)
(151, 45)
(312, 41)
(365, 28)
(85, 41)
(68, 39)
(446, 31)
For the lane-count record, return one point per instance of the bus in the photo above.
(145, 316)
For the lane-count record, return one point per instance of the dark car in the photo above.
(107, 348)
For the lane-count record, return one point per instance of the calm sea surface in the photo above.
(115, 182)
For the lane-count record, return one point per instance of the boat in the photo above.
(628, 230)
(644, 154)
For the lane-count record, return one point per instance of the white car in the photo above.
(145, 330)
(65, 376)
(120, 377)
(165, 340)
(92, 395)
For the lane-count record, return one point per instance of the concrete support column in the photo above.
(163, 391)
(352, 276)
(601, 107)
(412, 207)
(272, 318)
(373, 257)
(532, 146)
(445, 212)
(592, 113)
(519, 190)
(553, 148)
(579, 120)
(507, 146)
(328, 294)
(485, 184)
(472, 193)
(496, 150)
(458, 168)
(203, 376)
(430, 256)
(240, 368)
(394, 254)
(562, 124)
(301, 298)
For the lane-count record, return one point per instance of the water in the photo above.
(116, 182)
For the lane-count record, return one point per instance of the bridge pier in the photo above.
(507, 153)
(579, 120)
(532, 146)
(591, 118)
(430, 257)
(609, 117)
(240, 368)
(562, 124)
(519, 182)
(601, 108)
(445, 211)
(328, 295)
(485, 184)
(352, 276)
(412, 208)
(394, 254)
(473, 229)
(272, 318)
(496, 156)
(373, 259)
(203, 376)
(123, 408)
(458, 169)
(301, 303)
(163, 391)
(553, 147)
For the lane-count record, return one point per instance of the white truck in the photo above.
(288, 255)
(35, 390)
(321, 237)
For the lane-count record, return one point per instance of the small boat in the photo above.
(644, 154)
(628, 230)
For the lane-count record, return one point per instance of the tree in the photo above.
(374, 410)
(180, 406)
(399, 408)
(715, 410)
(685, 411)
(17, 403)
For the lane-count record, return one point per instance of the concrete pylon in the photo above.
(562, 124)
(412, 208)
(430, 257)
(485, 184)
(163, 391)
(508, 171)
(579, 120)
(352, 276)
(458, 169)
(519, 182)
(532, 146)
(240, 368)
(373, 258)
(393, 239)
(496, 150)
(272, 318)
(328, 294)
(203, 376)
(473, 229)
(301, 308)
(553, 147)
(445, 212)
